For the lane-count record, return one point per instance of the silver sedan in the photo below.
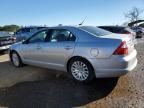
(85, 52)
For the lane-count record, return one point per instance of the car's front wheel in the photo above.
(16, 60)
(81, 70)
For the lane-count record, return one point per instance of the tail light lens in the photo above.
(122, 49)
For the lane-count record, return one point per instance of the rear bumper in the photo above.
(4, 47)
(105, 73)
(115, 66)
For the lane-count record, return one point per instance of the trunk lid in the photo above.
(122, 37)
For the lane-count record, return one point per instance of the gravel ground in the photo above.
(33, 87)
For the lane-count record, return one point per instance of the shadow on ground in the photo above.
(54, 92)
(3, 52)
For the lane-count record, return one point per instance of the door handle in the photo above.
(68, 47)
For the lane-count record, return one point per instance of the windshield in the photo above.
(94, 30)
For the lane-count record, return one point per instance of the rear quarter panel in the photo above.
(104, 48)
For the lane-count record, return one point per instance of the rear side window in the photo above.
(61, 35)
(94, 30)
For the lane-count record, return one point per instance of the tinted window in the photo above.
(61, 35)
(107, 28)
(114, 29)
(94, 30)
(39, 37)
(117, 29)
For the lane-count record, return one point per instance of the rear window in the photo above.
(113, 29)
(94, 30)
(120, 30)
(23, 30)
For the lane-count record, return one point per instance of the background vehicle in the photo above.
(26, 32)
(6, 39)
(85, 52)
(139, 32)
(120, 30)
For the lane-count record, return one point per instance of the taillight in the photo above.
(122, 49)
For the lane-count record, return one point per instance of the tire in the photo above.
(77, 71)
(16, 60)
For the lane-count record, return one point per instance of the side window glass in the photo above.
(40, 37)
(61, 35)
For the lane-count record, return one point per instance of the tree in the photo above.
(134, 14)
(10, 28)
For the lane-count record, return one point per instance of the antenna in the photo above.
(82, 22)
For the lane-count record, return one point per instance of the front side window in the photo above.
(61, 35)
(39, 37)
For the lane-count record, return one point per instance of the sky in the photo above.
(66, 12)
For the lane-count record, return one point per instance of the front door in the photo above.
(32, 49)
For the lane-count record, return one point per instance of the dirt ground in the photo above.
(33, 87)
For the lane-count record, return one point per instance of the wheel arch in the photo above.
(68, 62)
(10, 53)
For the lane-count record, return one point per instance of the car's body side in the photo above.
(98, 51)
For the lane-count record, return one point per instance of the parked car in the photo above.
(85, 52)
(26, 32)
(139, 31)
(6, 39)
(120, 30)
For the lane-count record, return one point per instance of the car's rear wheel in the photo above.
(81, 70)
(16, 60)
